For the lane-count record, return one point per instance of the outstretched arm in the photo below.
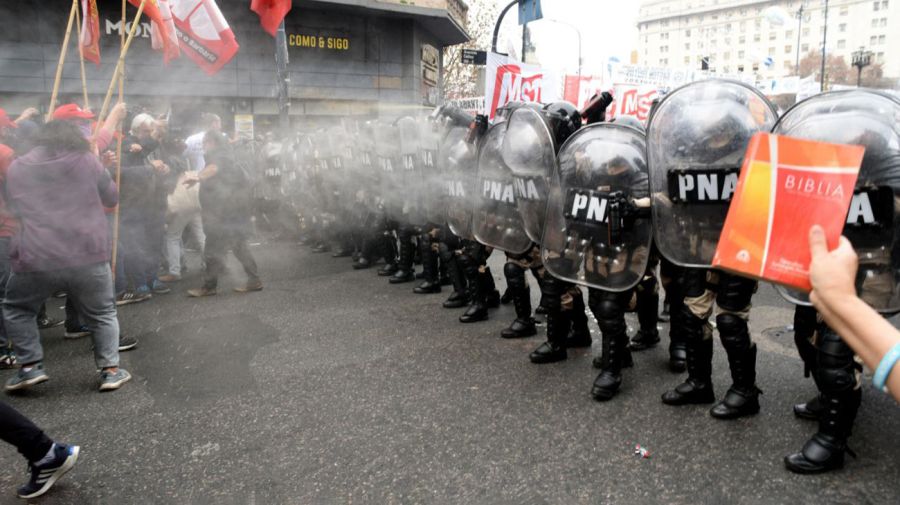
(833, 276)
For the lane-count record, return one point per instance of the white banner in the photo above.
(507, 80)
(633, 100)
(807, 87)
(781, 86)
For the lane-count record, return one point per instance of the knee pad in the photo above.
(515, 276)
(425, 242)
(733, 331)
(445, 252)
(693, 282)
(647, 286)
(551, 293)
(734, 293)
(608, 310)
(805, 322)
(837, 370)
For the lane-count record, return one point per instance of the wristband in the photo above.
(885, 366)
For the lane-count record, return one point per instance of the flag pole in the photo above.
(84, 90)
(62, 60)
(115, 234)
(120, 65)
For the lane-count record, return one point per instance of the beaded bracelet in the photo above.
(885, 366)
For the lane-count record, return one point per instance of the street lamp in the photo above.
(861, 60)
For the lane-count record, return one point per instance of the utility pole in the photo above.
(799, 31)
(824, 42)
(283, 80)
(524, 41)
(497, 26)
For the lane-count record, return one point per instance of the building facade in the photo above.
(378, 57)
(738, 36)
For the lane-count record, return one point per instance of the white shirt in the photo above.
(194, 151)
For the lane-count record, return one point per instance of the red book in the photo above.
(786, 186)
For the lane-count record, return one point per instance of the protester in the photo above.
(872, 337)
(183, 210)
(140, 216)
(226, 210)
(58, 191)
(193, 150)
(47, 460)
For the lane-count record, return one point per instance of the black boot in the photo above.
(805, 321)
(811, 410)
(607, 384)
(742, 398)
(459, 297)
(523, 326)
(477, 310)
(698, 387)
(518, 292)
(507, 296)
(836, 378)
(677, 342)
(609, 311)
(580, 334)
(367, 254)
(647, 305)
(492, 296)
(432, 282)
(825, 450)
(405, 272)
(389, 251)
(554, 349)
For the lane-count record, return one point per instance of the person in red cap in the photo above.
(84, 120)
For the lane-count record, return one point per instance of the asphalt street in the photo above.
(332, 386)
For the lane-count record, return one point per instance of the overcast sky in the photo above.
(608, 28)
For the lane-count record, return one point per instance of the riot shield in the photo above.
(598, 228)
(529, 153)
(410, 174)
(387, 150)
(433, 196)
(457, 163)
(870, 119)
(696, 142)
(496, 221)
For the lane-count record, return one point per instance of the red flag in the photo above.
(162, 30)
(90, 31)
(271, 13)
(204, 33)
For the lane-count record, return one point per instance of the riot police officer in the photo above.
(697, 138)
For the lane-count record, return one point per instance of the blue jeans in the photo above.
(90, 289)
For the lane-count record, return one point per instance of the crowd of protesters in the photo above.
(68, 200)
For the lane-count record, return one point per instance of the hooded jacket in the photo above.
(59, 199)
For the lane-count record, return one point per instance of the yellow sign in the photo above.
(319, 42)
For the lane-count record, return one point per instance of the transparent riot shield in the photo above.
(870, 119)
(368, 190)
(433, 197)
(696, 142)
(529, 153)
(457, 164)
(598, 228)
(387, 149)
(496, 221)
(410, 174)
